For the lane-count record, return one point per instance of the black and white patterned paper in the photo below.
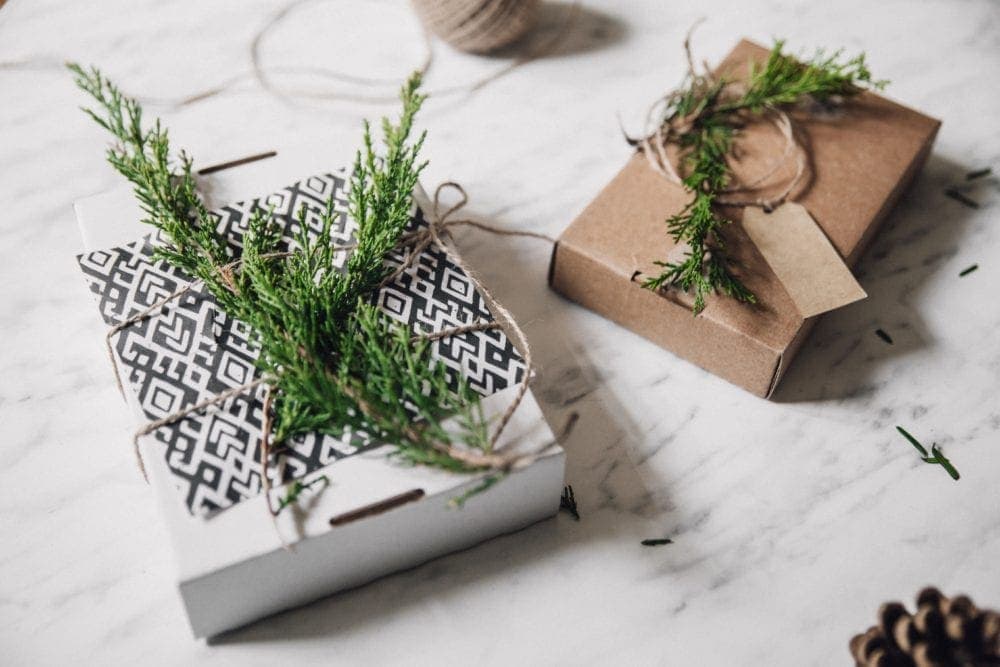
(191, 350)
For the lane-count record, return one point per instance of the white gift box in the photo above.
(372, 517)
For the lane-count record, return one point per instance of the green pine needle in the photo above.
(656, 542)
(487, 482)
(702, 120)
(938, 457)
(966, 271)
(336, 364)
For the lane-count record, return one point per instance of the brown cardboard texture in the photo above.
(862, 155)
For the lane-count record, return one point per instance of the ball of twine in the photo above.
(477, 26)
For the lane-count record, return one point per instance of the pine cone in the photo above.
(943, 633)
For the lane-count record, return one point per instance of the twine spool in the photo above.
(477, 26)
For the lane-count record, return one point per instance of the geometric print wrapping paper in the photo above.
(191, 350)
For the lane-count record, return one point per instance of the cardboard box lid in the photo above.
(861, 155)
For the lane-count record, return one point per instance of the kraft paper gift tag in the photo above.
(802, 257)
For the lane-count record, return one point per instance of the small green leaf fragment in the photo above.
(656, 542)
(968, 270)
(296, 488)
(460, 500)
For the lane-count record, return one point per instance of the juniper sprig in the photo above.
(336, 364)
(702, 120)
(165, 188)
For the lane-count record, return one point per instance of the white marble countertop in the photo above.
(791, 520)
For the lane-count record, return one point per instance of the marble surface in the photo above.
(791, 520)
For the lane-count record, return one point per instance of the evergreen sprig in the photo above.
(702, 120)
(336, 364)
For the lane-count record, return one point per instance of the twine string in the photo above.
(225, 271)
(439, 232)
(267, 76)
(791, 146)
(134, 319)
(265, 448)
(184, 412)
(263, 75)
(456, 331)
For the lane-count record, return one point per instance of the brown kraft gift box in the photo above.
(861, 157)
